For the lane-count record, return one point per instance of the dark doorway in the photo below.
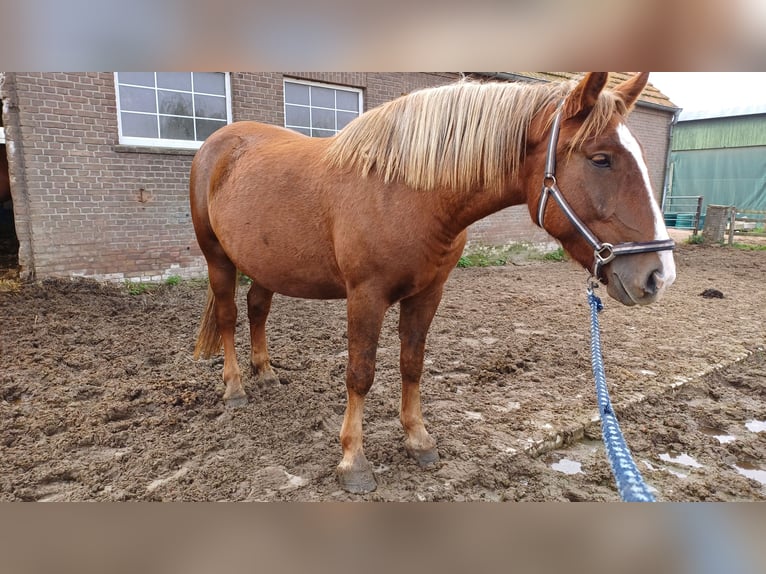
(9, 243)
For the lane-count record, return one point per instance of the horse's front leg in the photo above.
(416, 314)
(365, 318)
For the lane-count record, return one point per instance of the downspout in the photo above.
(668, 171)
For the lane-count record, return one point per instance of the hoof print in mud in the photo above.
(235, 402)
(711, 294)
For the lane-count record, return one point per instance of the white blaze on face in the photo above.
(630, 143)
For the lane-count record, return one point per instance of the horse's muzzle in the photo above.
(634, 281)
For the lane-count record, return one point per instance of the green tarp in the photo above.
(733, 176)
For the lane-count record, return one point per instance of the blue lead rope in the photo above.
(630, 483)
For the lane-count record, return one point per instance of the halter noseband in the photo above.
(603, 253)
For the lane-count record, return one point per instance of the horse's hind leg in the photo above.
(223, 282)
(416, 314)
(258, 306)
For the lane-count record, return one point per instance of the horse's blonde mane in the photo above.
(463, 135)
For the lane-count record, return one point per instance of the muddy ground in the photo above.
(100, 398)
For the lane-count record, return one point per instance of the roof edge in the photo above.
(643, 100)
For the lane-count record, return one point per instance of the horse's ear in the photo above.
(581, 100)
(632, 88)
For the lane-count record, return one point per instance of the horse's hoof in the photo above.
(267, 380)
(235, 401)
(357, 481)
(424, 457)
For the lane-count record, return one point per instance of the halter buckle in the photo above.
(604, 253)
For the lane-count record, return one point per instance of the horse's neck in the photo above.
(467, 207)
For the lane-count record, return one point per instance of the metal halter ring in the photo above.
(604, 253)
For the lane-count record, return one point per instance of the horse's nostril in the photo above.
(653, 283)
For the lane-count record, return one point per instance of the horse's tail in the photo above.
(209, 340)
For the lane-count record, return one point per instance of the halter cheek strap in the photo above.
(603, 252)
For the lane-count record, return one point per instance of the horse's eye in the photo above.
(601, 160)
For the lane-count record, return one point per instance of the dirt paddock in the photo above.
(101, 400)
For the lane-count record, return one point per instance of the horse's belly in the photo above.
(299, 279)
(306, 290)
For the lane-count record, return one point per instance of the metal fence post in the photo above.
(697, 216)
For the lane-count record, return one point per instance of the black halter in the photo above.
(603, 253)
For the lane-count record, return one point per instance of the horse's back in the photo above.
(224, 149)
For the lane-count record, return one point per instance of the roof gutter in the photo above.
(666, 184)
(660, 107)
(509, 76)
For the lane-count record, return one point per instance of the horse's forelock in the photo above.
(607, 107)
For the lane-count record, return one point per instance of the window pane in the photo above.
(297, 116)
(207, 127)
(210, 107)
(344, 118)
(176, 128)
(139, 125)
(304, 131)
(322, 97)
(322, 133)
(347, 100)
(137, 99)
(296, 93)
(139, 78)
(175, 103)
(323, 119)
(210, 82)
(174, 80)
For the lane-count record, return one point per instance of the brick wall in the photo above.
(96, 208)
(86, 205)
(511, 225)
(652, 129)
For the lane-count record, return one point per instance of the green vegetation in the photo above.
(557, 255)
(492, 256)
(138, 288)
(749, 246)
(695, 239)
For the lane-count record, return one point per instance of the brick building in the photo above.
(99, 162)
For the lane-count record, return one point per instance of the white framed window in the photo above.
(171, 109)
(319, 110)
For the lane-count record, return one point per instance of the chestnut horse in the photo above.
(378, 214)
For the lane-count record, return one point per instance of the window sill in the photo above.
(122, 148)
